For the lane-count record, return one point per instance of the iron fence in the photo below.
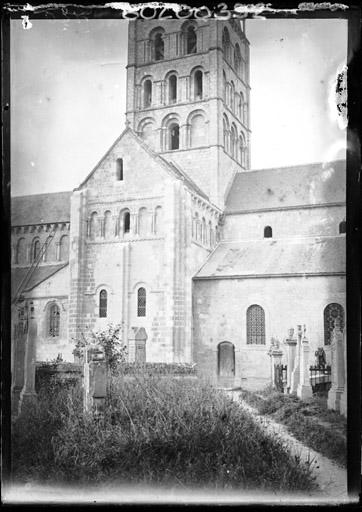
(280, 376)
(320, 377)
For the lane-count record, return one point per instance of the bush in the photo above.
(159, 431)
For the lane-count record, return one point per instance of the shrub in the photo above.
(159, 431)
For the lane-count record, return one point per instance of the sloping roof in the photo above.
(170, 166)
(310, 255)
(288, 186)
(40, 208)
(39, 275)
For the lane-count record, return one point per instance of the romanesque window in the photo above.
(226, 133)
(119, 169)
(158, 220)
(54, 320)
(64, 248)
(242, 150)
(103, 304)
(204, 232)
(342, 227)
(126, 222)
(245, 113)
(107, 224)
(224, 85)
(20, 255)
(142, 221)
(191, 40)
(147, 93)
(233, 139)
(232, 96)
(50, 246)
(198, 84)
(332, 312)
(35, 250)
(240, 107)
(255, 325)
(174, 134)
(158, 46)
(226, 44)
(198, 129)
(172, 89)
(93, 226)
(146, 131)
(268, 232)
(237, 58)
(141, 302)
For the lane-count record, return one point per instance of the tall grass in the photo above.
(154, 431)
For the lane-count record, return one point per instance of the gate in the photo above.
(280, 377)
(320, 378)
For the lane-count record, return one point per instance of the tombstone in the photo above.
(295, 375)
(276, 355)
(95, 379)
(226, 364)
(28, 394)
(291, 343)
(137, 338)
(337, 367)
(304, 389)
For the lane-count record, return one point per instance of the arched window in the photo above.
(159, 46)
(226, 359)
(119, 169)
(35, 251)
(20, 256)
(142, 221)
(198, 130)
(54, 320)
(64, 248)
(198, 84)
(107, 224)
(126, 224)
(255, 325)
(245, 113)
(332, 312)
(224, 85)
(226, 133)
(146, 131)
(103, 304)
(172, 89)
(147, 93)
(158, 220)
(342, 227)
(204, 232)
(93, 226)
(173, 136)
(197, 226)
(232, 96)
(226, 43)
(237, 58)
(141, 302)
(268, 232)
(240, 107)
(211, 235)
(242, 150)
(233, 136)
(191, 40)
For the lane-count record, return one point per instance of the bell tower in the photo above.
(188, 96)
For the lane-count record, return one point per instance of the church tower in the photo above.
(188, 97)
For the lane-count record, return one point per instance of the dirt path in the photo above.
(330, 477)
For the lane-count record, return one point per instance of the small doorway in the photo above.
(226, 360)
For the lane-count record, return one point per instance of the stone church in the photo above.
(173, 232)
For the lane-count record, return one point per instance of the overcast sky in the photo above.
(68, 96)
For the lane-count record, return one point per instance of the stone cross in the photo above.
(337, 368)
(304, 389)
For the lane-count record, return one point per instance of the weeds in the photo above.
(154, 431)
(309, 421)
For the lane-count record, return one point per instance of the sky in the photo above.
(68, 96)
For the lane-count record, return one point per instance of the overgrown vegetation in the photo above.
(309, 421)
(155, 431)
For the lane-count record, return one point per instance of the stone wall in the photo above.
(220, 315)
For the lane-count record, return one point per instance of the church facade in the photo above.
(173, 233)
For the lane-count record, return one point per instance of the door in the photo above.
(226, 359)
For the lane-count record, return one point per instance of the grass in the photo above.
(309, 421)
(155, 431)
